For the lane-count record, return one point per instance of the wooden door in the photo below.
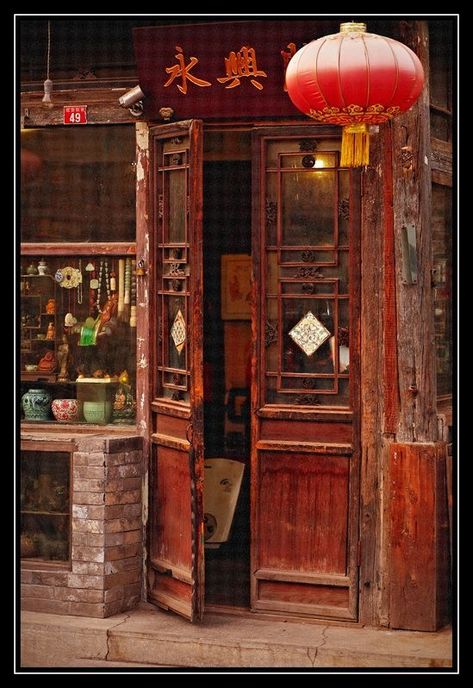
(176, 554)
(305, 397)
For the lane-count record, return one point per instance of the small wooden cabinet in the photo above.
(45, 503)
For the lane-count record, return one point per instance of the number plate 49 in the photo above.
(75, 114)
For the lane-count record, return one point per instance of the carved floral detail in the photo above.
(308, 272)
(270, 333)
(308, 256)
(307, 145)
(344, 208)
(271, 209)
(307, 400)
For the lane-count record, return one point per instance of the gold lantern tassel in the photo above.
(355, 145)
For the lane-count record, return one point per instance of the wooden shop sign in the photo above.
(228, 69)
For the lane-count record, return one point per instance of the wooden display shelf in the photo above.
(43, 513)
(37, 376)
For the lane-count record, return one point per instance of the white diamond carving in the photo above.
(309, 333)
(178, 331)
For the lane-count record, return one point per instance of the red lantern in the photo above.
(353, 79)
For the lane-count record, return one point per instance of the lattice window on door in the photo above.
(306, 215)
(172, 260)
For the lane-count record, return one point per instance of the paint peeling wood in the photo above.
(143, 413)
(412, 206)
(372, 387)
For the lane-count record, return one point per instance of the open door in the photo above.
(306, 386)
(176, 553)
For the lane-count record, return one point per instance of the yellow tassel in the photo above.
(355, 146)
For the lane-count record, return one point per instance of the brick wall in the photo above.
(107, 534)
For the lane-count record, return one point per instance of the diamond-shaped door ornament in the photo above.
(178, 331)
(309, 333)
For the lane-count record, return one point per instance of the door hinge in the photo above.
(358, 553)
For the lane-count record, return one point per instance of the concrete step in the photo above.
(148, 637)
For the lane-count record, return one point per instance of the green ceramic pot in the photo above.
(36, 404)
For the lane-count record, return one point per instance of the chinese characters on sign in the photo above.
(241, 64)
(184, 72)
(238, 65)
(286, 56)
(220, 69)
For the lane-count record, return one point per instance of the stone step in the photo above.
(148, 637)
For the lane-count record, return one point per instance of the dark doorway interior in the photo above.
(227, 345)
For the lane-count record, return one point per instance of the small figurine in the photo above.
(32, 269)
(51, 307)
(48, 363)
(50, 334)
(62, 356)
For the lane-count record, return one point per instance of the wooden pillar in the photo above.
(417, 420)
(143, 314)
(416, 494)
(372, 396)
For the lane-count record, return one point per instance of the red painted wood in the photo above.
(172, 517)
(309, 494)
(176, 480)
(304, 501)
(418, 514)
(328, 596)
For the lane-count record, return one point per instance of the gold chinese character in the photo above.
(240, 64)
(184, 72)
(286, 56)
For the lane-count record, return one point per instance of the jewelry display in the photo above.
(126, 297)
(68, 277)
(79, 286)
(121, 284)
(133, 295)
(113, 281)
(67, 334)
(103, 270)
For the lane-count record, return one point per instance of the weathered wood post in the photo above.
(418, 556)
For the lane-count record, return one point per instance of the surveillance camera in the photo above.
(132, 100)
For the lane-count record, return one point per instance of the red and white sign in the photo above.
(75, 114)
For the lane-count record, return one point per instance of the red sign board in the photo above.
(75, 114)
(222, 69)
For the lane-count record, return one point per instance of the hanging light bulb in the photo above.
(48, 84)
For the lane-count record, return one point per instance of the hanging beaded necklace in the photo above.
(103, 268)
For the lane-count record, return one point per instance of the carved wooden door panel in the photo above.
(305, 397)
(176, 555)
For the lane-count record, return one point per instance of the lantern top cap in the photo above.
(352, 27)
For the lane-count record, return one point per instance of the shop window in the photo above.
(77, 328)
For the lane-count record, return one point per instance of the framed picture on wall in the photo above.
(236, 287)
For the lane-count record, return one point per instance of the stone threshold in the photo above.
(148, 638)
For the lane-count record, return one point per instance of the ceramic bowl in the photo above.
(65, 410)
(98, 412)
(31, 368)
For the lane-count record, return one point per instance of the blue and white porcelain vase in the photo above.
(36, 404)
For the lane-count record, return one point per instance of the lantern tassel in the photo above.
(355, 145)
